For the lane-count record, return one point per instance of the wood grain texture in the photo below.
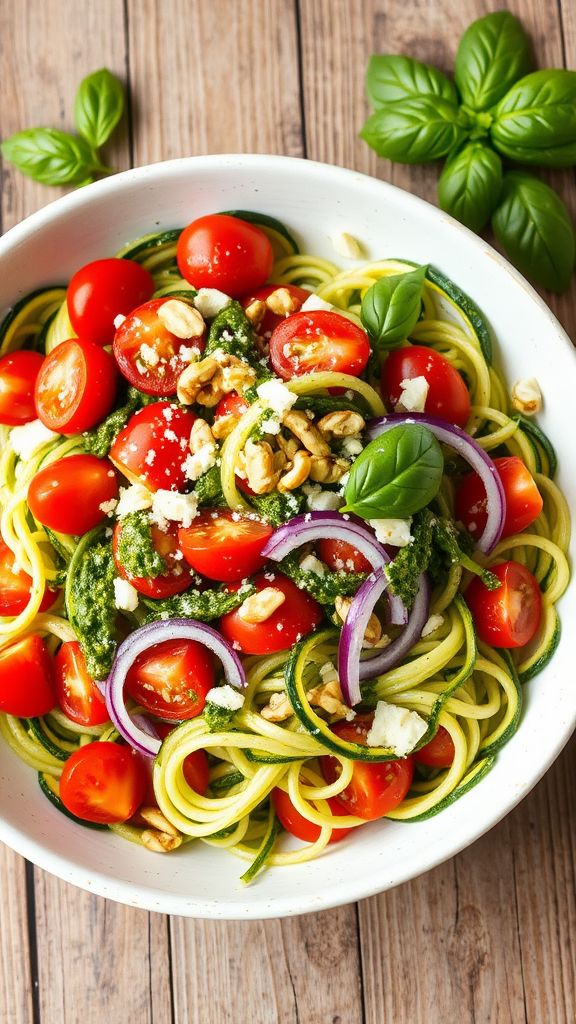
(15, 959)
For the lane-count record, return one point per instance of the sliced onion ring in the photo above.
(456, 438)
(389, 656)
(141, 640)
(314, 526)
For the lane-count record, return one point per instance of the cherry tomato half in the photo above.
(18, 373)
(148, 354)
(510, 615)
(152, 447)
(75, 387)
(233, 405)
(438, 752)
(15, 585)
(174, 580)
(448, 396)
(103, 782)
(270, 319)
(102, 290)
(68, 495)
(341, 556)
(299, 826)
(78, 696)
(298, 615)
(375, 789)
(171, 679)
(523, 499)
(319, 340)
(219, 251)
(224, 545)
(195, 766)
(27, 678)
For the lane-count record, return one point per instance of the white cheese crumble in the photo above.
(314, 303)
(312, 564)
(318, 500)
(225, 697)
(210, 301)
(135, 498)
(352, 446)
(276, 396)
(392, 531)
(433, 623)
(107, 507)
(347, 246)
(119, 320)
(179, 508)
(26, 439)
(396, 727)
(125, 595)
(526, 396)
(413, 394)
(200, 462)
(148, 354)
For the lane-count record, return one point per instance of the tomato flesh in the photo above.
(27, 678)
(103, 782)
(53, 494)
(76, 387)
(174, 580)
(523, 499)
(509, 616)
(171, 679)
(448, 396)
(271, 320)
(102, 290)
(15, 585)
(18, 373)
(224, 252)
(78, 696)
(296, 617)
(148, 354)
(299, 826)
(224, 545)
(341, 556)
(153, 446)
(319, 340)
(438, 752)
(195, 766)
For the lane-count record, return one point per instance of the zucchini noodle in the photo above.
(471, 690)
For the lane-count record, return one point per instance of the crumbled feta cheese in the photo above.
(318, 500)
(271, 425)
(343, 481)
(188, 353)
(179, 508)
(125, 595)
(347, 246)
(200, 462)
(225, 697)
(413, 394)
(434, 623)
(276, 396)
(396, 727)
(148, 355)
(313, 303)
(119, 320)
(25, 440)
(392, 531)
(526, 396)
(328, 673)
(209, 302)
(352, 446)
(135, 498)
(312, 564)
(107, 507)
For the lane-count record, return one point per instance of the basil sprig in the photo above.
(498, 108)
(396, 475)
(54, 157)
(391, 308)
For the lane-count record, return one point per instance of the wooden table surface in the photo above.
(488, 937)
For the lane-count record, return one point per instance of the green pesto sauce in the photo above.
(232, 332)
(277, 508)
(217, 719)
(203, 605)
(90, 602)
(208, 488)
(325, 589)
(136, 552)
(98, 442)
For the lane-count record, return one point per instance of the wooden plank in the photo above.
(302, 969)
(15, 960)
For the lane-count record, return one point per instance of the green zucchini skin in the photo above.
(140, 249)
(546, 656)
(478, 771)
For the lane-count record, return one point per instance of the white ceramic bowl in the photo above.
(314, 200)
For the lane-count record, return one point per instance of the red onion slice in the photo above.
(456, 438)
(141, 640)
(389, 656)
(313, 526)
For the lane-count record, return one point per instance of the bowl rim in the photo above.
(158, 900)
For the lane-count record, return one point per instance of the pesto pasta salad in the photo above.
(279, 544)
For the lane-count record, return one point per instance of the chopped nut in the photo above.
(279, 461)
(193, 379)
(281, 302)
(256, 312)
(341, 424)
(328, 696)
(153, 816)
(298, 472)
(224, 425)
(278, 709)
(526, 396)
(288, 445)
(160, 842)
(259, 607)
(181, 320)
(347, 246)
(259, 467)
(373, 629)
(201, 435)
(306, 432)
(328, 470)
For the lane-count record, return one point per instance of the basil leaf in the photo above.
(537, 119)
(392, 78)
(396, 475)
(534, 228)
(98, 106)
(51, 156)
(493, 53)
(470, 184)
(418, 130)
(391, 307)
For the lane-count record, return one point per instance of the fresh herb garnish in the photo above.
(391, 307)
(470, 185)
